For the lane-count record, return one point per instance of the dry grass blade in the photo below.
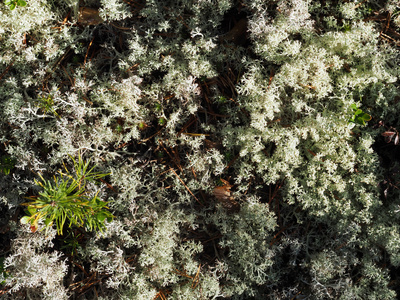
(196, 278)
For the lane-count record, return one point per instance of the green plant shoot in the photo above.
(359, 117)
(65, 198)
(46, 104)
(14, 3)
(7, 163)
(3, 271)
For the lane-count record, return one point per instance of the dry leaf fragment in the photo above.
(224, 196)
(211, 145)
(388, 136)
(89, 16)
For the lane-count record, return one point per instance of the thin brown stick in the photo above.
(87, 100)
(108, 185)
(87, 51)
(232, 162)
(3, 292)
(193, 172)
(133, 67)
(196, 134)
(213, 238)
(271, 76)
(80, 267)
(150, 137)
(388, 21)
(55, 65)
(187, 125)
(186, 187)
(278, 211)
(180, 19)
(69, 77)
(241, 109)
(276, 235)
(183, 273)
(63, 22)
(170, 156)
(6, 70)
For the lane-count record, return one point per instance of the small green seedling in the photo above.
(76, 59)
(221, 100)
(46, 104)
(3, 271)
(14, 3)
(162, 121)
(359, 117)
(219, 182)
(142, 125)
(346, 28)
(71, 242)
(119, 128)
(7, 163)
(228, 156)
(65, 198)
(157, 107)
